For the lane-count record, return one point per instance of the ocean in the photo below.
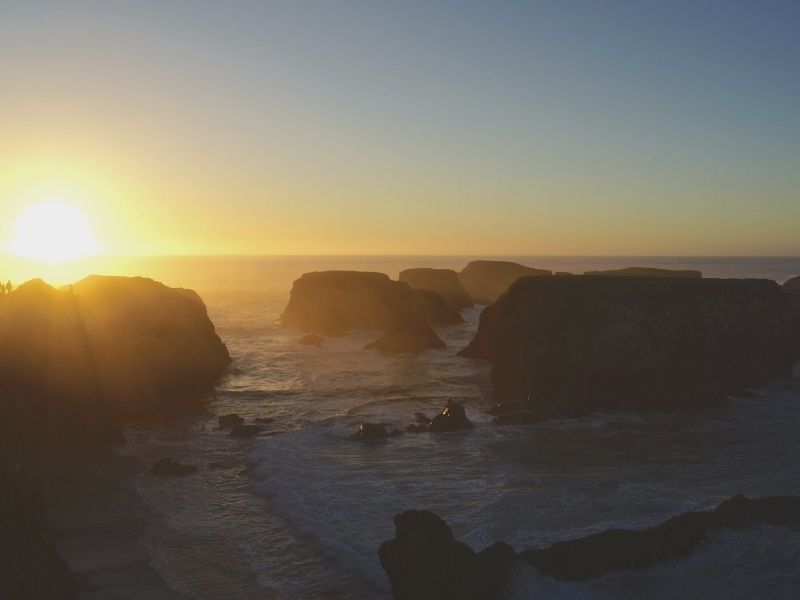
(299, 512)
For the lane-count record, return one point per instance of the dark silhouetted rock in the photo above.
(792, 286)
(371, 431)
(425, 562)
(646, 272)
(418, 427)
(452, 417)
(444, 282)
(166, 467)
(565, 345)
(432, 307)
(78, 362)
(229, 421)
(421, 418)
(404, 337)
(312, 339)
(334, 302)
(487, 280)
(245, 431)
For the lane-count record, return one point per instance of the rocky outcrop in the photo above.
(564, 345)
(646, 272)
(487, 280)
(792, 286)
(371, 431)
(77, 362)
(453, 416)
(334, 302)
(432, 307)
(444, 282)
(424, 561)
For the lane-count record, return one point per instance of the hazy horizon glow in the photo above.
(468, 128)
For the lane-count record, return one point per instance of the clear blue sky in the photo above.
(410, 127)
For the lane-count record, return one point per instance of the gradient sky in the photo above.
(372, 127)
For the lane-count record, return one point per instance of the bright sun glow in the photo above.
(53, 232)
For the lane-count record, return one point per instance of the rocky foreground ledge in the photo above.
(425, 562)
(567, 345)
(76, 364)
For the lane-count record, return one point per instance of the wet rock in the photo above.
(452, 417)
(230, 420)
(371, 431)
(244, 431)
(166, 467)
(312, 339)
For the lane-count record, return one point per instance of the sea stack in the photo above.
(566, 345)
(486, 280)
(444, 282)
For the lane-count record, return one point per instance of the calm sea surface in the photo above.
(300, 512)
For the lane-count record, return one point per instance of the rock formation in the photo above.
(486, 280)
(424, 561)
(334, 302)
(444, 282)
(792, 286)
(646, 272)
(564, 345)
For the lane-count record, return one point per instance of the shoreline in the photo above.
(94, 523)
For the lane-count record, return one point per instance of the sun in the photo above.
(53, 231)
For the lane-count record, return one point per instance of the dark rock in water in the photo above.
(166, 467)
(30, 567)
(312, 339)
(371, 431)
(452, 417)
(264, 420)
(595, 555)
(432, 307)
(425, 562)
(565, 345)
(421, 418)
(444, 282)
(406, 337)
(487, 280)
(76, 363)
(418, 427)
(646, 272)
(230, 420)
(334, 302)
(792, 286)
(245, 431)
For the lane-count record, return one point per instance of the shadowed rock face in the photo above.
(444, 282)
(646, 272)
(571, 344)
(76, 362)
(487, 280)
(792, 286)
(334, 302)
(425, 562)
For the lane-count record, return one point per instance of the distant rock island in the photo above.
(567, 345)
(486, 280)
(646, 272)
(444, 282)
(76, 364)
(331, 303)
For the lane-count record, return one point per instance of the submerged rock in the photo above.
(371, 431)
(312, 339)
(646, 272)
(444, 282)
(566, 345)
(229, 421)
(166, 467)
(487, 280)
